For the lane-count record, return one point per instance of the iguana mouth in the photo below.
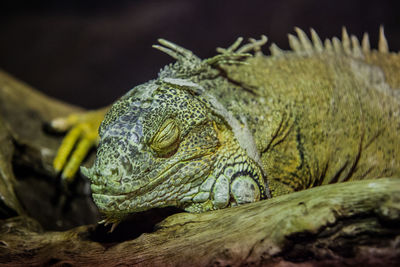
(98, 188)
(147, 196)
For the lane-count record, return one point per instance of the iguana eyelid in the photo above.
(167, 138)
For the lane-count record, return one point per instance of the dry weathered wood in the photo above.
(24, 112)
(27, 151)
(329, 224)
(10, 203)
(351, 223)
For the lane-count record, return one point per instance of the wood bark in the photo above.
(348, 223)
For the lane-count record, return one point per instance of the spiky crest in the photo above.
(348, 45)
(299, 44)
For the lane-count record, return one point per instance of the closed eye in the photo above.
(166, 140)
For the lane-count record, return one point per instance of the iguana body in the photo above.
(321, 117)
(212, 134)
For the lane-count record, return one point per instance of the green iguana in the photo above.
(235, 128)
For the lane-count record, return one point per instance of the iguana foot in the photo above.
(114, 223)
(235, 53)
(81, 137)
(188, 64)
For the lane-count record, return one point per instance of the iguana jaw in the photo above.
(170, 179)
(164, 190)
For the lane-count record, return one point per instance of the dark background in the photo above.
(90, 52)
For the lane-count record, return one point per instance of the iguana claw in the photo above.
(114, 223)
(233, 54)
(81, 137)
(189, 64)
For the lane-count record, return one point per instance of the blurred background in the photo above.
(91, 52)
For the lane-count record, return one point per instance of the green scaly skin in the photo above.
(217, 133)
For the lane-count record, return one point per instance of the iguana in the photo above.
(236, 128)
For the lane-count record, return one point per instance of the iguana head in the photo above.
(169, 143)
